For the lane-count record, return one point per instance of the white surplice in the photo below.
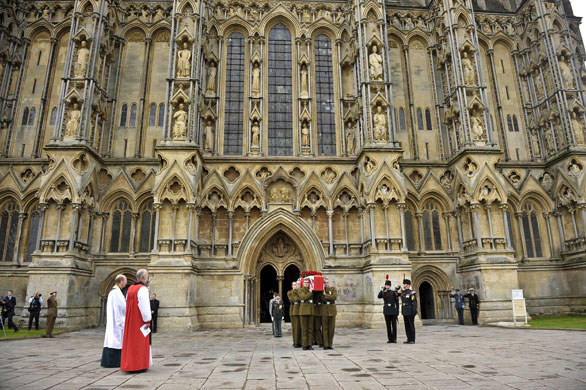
(115, 318)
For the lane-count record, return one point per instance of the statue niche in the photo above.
(380, 125)
(179, 130)
(72, 123)
(281, 192)
(211, 79)
(83, 56)
(375, 62)
(184, 61)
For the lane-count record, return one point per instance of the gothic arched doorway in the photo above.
(107, 285)
(268, 285)
(426, 301)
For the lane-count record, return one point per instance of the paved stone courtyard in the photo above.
(444, 357)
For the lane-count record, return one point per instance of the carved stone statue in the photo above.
(255, 79)
(477, 128)
(305, 134)
(567, 74)
(549, 139)
(72, 124)
(375, 61)
(285, 194)
(578, 127)
(255, 130)
(211, 85)
(380, 125)
(304, 84)
(184, 61)
(83, 55)
(350, 141)
(179, 124)
(468, 68)
(535, 143)
(208, 134)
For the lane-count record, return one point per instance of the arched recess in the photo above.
(278, 223)
(440, 285)
(264, 229)
(107, 285)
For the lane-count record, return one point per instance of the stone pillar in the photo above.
(21, 217)
(104, 217)
(519, 216)
(280, 279)
(582, 207)
(230, 218)
(487, 208)
(573, 213)
(362, 237)
(90, 231)
(331, 231)
(345, 215)
(419, 216)
(561, 229)
(549, 236)
(401, 207)
(133, 230)
(175, 207)
(213, 250)
(460, 234)
(475, 208)
(75, 207)
(372, 231)
(60, 207)
(42, 209)
(157, 208)
(508, 229)
(190, 208)
(447, 221)
(386, 211)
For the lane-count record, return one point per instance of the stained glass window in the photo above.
(280, 132)
(510, 123)
(8, 228)
(409, 230)
(31, 117)
(428, 119)
(324, 81)
(121, 221)
(234, 95)
(147, 228)
(153, 115)
(161, 115)
(25, 117)
(402, 124)
(123, 115)
(53, 116)
(515, 123)
(32, 236)
(132, 116)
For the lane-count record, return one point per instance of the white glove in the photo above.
(272, 319)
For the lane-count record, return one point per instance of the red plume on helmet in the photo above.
(387, 278)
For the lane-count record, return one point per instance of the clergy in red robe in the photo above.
(136, 349)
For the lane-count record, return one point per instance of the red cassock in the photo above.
(135, 346)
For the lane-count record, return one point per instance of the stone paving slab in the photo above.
(445, 357)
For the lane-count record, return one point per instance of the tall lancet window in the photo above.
(324, 82)
(280, 117)
(234, 95)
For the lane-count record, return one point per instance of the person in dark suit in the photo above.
(409, 310)
(474, 304)
(277, 314)
(460, 304)
(8, 304)
(390, 310)
(154, 312)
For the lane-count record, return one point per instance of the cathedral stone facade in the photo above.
(228, 145)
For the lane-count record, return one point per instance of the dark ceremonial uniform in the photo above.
(474, 304)
(317, 314)
(409, 310)
(155, 314)
(294, 314)
(391, 311)
(306, 316)
(460, 305)
(328, 318)
(277, 312)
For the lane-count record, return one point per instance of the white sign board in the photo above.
(519, 308)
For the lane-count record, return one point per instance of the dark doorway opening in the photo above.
(426, 294)
(268, 285)
(291, 275)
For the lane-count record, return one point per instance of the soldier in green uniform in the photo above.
(329, 312)
(318, 304)
(294, 314)
(306, 314)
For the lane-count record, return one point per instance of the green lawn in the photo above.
(573, 322)
(23, 332)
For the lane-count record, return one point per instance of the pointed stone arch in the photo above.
(265, 228)
(440, 285)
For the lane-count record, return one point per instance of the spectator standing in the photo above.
(35, 304)
(474, 304)
(8, 304)
(277, 313)
(460, 304)
(154, 312)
